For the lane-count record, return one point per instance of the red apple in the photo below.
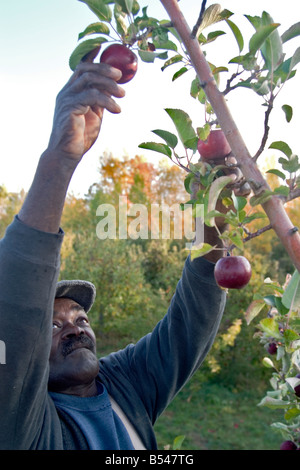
(215, 146)
(272, 348)
(297, 388)
(122, 58)
(288, 445)
(232, 272)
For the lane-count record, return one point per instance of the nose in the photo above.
(71, 330)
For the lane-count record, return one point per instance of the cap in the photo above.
(82, 292)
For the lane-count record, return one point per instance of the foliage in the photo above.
(281, 329)
(10, 204)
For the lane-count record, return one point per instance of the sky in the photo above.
(38, 37)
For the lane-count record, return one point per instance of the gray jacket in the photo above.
(143, 378)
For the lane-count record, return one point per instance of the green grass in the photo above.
(215, 418)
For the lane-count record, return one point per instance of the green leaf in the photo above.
(135, 7)
(214, 191)
(179, 73)
(274, 403)
(253, 310)
(282, 190)
(291, 165)
(282, 146)
(121, 22)
(126, 5)
(290, 335)
(270, 327)
(203, 132)
(277, 173)
(239, 202)
(258, 38)
(94, 28)
(254, 20)
(291, 296)
(84, 48)
(188, 180)
(288, 111)
(270, 300)
(201, 250)
(156, 147)
(292, 413)
(211, 16)
(170, 139)
(284, 72)
(237, 34)
(169, 45)
(248, 61)
(173, 60)
(291, 33)
(213, 36)
(295, 58)
(177, 443)
(261, 87)
(261, 198)
(236, 237)
(250, 218)
(183, 124)
(100, 8)
(280, 307)
(149, 56)
(267, 362)
(272, 47)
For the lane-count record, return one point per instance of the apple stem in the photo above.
(274, 208)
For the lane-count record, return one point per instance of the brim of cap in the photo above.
(82, 292)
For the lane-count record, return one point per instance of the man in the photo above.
(54, 392)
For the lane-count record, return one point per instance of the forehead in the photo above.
(64, 306)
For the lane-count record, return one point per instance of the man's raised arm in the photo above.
(77, 121)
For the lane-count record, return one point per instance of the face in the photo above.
(73, 362)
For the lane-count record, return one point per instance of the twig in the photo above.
(294, 194)
(199, 21)
(229, 81)
(257, 233)
(267, 129)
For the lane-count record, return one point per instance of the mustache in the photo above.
(72, 343)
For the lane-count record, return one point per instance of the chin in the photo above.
(80, 367)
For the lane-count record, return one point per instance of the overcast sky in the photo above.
(37, 38)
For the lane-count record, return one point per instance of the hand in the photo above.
(77, 121)
(79, 109)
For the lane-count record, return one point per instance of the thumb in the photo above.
(90, 56)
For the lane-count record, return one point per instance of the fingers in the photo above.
(94, 85)
(88, 73)
(240, 186)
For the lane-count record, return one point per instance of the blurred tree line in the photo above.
(136, 278)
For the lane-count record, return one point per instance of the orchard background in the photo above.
(218, 409)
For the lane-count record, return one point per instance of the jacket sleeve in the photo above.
(29, 267)
(162, 362)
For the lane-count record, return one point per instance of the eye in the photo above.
(55, 326)
(83, 320)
